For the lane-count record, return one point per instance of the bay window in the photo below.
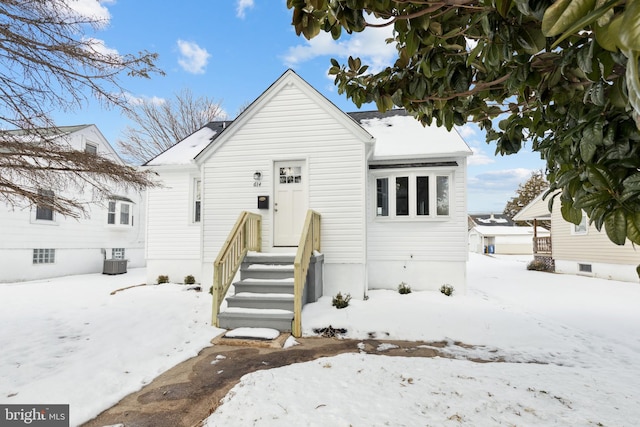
(413, 195)
(382, 185)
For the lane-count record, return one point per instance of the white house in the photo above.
(579, 249)
(496, 233)
(37, 243)
(390, 193)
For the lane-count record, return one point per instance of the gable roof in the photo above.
(38, 134)
(59, 134)
(289, 77)
(51, 131)
(400, 136)
(396, 134)
(538, 208)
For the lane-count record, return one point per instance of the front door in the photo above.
(290, 204)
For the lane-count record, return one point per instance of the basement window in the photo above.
(44, 256)
(584, 268)
(117, 253)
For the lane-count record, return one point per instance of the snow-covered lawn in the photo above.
(570, 343)
(68, 340)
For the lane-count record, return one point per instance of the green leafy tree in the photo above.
(562, 75)
(526, 192)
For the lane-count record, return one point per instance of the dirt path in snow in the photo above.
(189, 392)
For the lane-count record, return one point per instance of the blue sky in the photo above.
(232, 50)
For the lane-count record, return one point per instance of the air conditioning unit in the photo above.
(114, 266)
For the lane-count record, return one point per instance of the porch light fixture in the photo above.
(257, 177)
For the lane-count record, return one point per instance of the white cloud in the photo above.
(137, 100)
(479, 158)
(472, 136)
(93, 9)
(500, 179)
(369, 45)
(243, 5)
(100, 47)
(467, 131)
(193, 59)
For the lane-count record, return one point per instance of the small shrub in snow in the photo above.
(340, 301)
(447, 290)
(189, 280)
(537, 265)
(162, 279)
(330, 332)
(403, 288)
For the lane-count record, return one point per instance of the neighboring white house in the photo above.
(391, 193)
(579, 249)
(496, 233)
(37, 243)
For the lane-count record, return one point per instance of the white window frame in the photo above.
(45, 193)
(196, 201)
(91, 147)
(413, 175)
(115, 216)
(581, 229)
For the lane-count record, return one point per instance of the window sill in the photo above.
(44, 222)
(413, 219)
(119, 227)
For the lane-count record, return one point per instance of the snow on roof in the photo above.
(184, 151)
(506, 230)
(402, 136)
(490, 220)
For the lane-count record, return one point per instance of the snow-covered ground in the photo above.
(68, 340)
(570, 343)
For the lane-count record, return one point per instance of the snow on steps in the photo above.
(264, 295)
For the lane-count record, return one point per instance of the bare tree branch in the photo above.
(47, 64)
(160, 124)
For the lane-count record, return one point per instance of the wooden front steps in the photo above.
(264, 296)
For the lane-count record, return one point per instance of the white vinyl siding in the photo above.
(590, 247)
(435, 238)
(81, 244)
(171, 233)
(291, 126)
